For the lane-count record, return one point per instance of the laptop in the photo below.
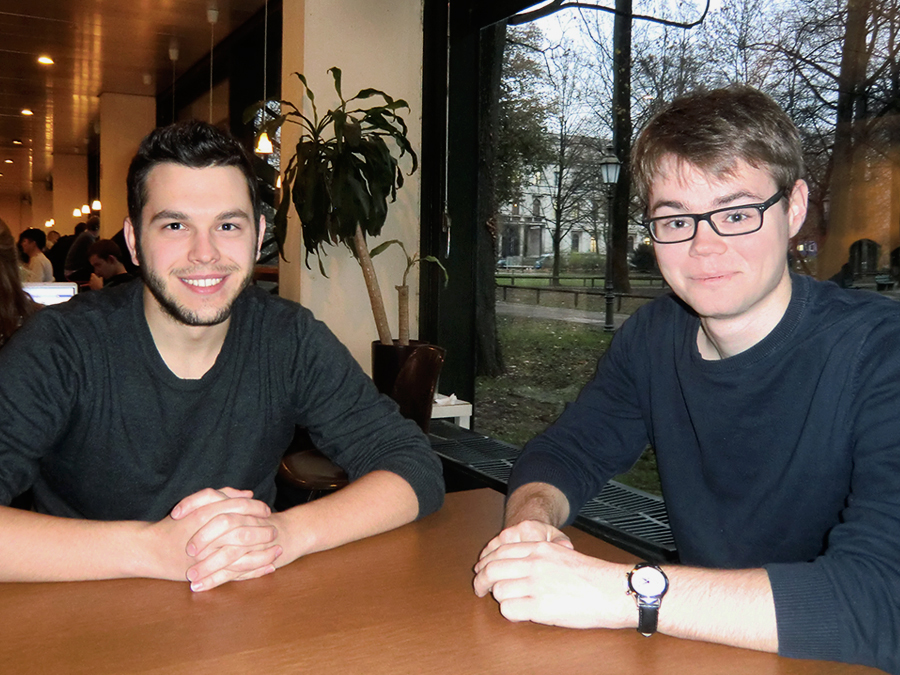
(51, 293)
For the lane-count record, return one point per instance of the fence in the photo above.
(576, 293)
(592, 280)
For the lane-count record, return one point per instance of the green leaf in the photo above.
(432, 259)
(381, 247)
(336, 73)
(368, 93)
(251, 111)
(309, 95)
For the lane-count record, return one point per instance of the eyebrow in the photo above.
(168, 214)
(719, 201)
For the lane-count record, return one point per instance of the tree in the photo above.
(522, 145)
(572, 169)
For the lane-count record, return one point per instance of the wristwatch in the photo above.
(648, 584)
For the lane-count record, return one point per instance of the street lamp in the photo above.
(609, 172)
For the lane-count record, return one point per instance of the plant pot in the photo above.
(409, 375)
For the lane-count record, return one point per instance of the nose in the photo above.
(707, 241)
(203, 248)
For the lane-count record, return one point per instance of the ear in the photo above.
(130, 240)
(262, 235)
(797, 205)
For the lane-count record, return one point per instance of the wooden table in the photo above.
(401, 602)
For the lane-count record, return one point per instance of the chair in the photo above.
(306, 474)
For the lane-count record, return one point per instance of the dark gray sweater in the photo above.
(93, 419)
(786, 456)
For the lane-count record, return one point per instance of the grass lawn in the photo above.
(548, 362)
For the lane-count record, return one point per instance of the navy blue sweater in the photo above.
(786, 456)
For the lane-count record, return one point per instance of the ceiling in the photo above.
(117, 46)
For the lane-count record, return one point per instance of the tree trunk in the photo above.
(854, 61)
(403, 314)
(489, 358)
(622, 130)
(368, 270)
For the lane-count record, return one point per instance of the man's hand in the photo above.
(220, 536)
(548, 582)
(527, 530)
(95, 282)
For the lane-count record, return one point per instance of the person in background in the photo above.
(15, 304)
(52, 238)
(77, 267)
(770, 399)
(106, 259)
(38, 268)
(60, 250)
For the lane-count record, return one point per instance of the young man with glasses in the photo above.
(771, 400)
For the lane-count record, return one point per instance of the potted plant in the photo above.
(344, 171)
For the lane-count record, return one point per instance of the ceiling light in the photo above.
(264, 145)
(16, 141)
(45, 60)
(86, 209)
(7, 161)
(27, 112)
(95, 205)
(76, 213)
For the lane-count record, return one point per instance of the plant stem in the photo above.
(403, 318)
(368, 270)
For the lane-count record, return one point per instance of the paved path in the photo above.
(557, 313)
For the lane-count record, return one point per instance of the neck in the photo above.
(724, 337)
(188, 351)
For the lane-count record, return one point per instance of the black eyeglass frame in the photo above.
(700, 217)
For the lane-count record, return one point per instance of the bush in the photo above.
(589, 263)
(644, 258)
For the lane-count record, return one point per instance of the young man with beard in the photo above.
(149, 419)
(771, 400)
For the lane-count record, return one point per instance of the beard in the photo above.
(157, 286)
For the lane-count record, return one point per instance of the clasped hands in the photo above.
(215, 536)
(534, 572)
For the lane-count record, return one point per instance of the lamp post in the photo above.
(609, 172)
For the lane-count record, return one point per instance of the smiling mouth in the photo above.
(203, 283)
(713, 277)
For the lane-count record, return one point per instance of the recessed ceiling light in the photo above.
(16, 141)
(7, 161)
(27, 112)
(45, 60)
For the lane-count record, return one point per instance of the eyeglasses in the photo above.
(732, 221)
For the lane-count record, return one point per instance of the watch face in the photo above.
(648, 582)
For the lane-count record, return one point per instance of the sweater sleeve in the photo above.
(38, 375)
(352, 423)
(598, 436)
(845, 604)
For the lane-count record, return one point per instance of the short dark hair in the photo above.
(105, 248)
(80, 227)
(713, 130)
(93, 224)
(35, 235)
(193, 144)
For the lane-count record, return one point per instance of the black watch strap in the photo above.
(648, 616)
